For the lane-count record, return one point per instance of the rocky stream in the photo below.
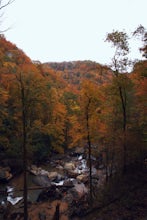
(62, 182)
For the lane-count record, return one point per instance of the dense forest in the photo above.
(76, 131)
(57, 98)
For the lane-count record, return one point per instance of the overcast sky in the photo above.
(69, 30)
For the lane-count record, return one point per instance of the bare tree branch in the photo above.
(6, 4)
(2, 6)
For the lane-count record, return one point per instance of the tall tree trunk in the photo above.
(123, 103)
(25, 191)
(89, 151)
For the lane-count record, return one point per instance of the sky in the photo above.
(70, 30)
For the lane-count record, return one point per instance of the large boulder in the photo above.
(81, 189)
(37, 170)
(82, 178)
(69, 166)
(43, 177)
(53, 176)
(72, 173)
(41, 180)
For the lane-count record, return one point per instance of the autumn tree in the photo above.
(72, 125)
(24, 143)
(90, 109)
(27, 101)
(4, 140)
(3, 93)
(141, 33)
(26, 92)
(119, 64)
(113, 118)
(139, 79)
(55, 121)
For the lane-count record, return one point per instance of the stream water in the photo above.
(13, 190)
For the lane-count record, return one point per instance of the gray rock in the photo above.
(41, 180)
(81, 189)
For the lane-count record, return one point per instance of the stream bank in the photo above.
(64, 182)
(63, 179)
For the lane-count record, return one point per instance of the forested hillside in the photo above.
(58, 100)
(74, 72)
